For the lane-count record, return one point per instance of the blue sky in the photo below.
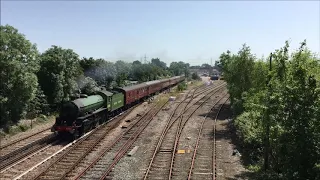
(189, 31)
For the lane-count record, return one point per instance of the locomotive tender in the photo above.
(83, 114)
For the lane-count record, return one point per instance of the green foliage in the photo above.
(206, 66)
(148, 72)
(251, 131)
(87, 64)
(23, 128)
(195, 76)
(286, 111)
(123, 71)
(87, 85)
(18, 64)
(136, 62)
(157, 62)
(238, 72)
(182, 86)
(179, 68)
(38, 105)
(58, 73)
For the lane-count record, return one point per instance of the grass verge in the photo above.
(25, 125)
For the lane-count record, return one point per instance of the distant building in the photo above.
(202, 72)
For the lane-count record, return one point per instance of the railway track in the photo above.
(16, 169)
(70, 158)
(202, 89)
(6, 147)
(203, 163)
(67, 159)
(10, 165)
(13, 152)
(32, 149)
(103, 164)
(161, 164)
(181, 163)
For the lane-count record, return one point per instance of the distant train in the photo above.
(87, 112)
(216, 77)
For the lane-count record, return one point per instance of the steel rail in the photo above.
(127, 146)
(80, 142)
(124, 147)
(21, 139)
(24, 151)
(169, 124)
(199, 136)
(179, 131)
(117, 140)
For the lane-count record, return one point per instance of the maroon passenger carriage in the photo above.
(154, 86)
(175, 80)
(165, 83)
(133, 94)
(137, 93)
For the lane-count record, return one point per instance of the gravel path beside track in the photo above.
(229, 166)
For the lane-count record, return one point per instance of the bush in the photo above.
(22, 127)
(182, 86)
(195, 76)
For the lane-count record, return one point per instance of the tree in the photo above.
(105, 73)
(217, 65)
(87, 64)
(280, 117)
(136, 62)
(87, 85)
(195, 76)
(300, 92)
(157, 62)
(179, 68)
(123, 71)
(205, 66)
(102, 71)
(38, 105)
(18, 65)
(58, 73)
